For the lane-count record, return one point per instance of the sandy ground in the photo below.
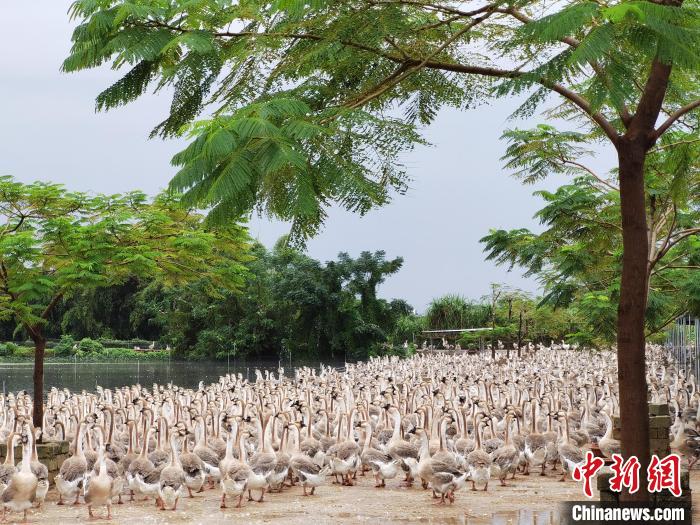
(527, 501)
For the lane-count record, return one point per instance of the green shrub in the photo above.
(89, 346)
(124, 354)
(4, 351)
(125, 343)
(64, 347)
(21, 351)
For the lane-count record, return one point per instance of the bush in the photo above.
(21, 351)
(64, 348)
(124, 354)
(4, 351)
(125, 343)
(89, 346)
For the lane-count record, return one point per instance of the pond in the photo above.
(85, 376)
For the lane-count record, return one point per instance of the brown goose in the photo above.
(98, 487)
(383, 466)
(507, 456)
(21, 490)
(570, 454)
(310, 473)
(71, 477)
(172, 479)
(479, 462)
(192, 465)
(7, 469)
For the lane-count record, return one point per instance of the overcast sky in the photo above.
(50, 131)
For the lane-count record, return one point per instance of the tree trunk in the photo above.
(520, 332)
(39, 347)
(634, 408)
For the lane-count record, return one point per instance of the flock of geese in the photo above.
(440, 422)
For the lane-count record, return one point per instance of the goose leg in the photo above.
(119, 500)
(473, 485)
(313, 489)
(262, 495)
(77, 499)
(240, 500)
(60, 499)
(109, 512)
(175, 505)
(223, 501)
(486, 486)
(304, 487)
(189, 491)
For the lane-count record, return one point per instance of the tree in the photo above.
(55, 244)
(454, 311)
(303, 98)
(577, 258)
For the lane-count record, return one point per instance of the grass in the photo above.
(24, 354)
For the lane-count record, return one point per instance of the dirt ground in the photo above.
(528, 500)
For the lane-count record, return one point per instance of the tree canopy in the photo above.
(310, 104)
(578, 256)
(55, 244)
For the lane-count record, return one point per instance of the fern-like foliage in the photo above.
(293, 106)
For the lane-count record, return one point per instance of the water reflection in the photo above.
(525, 517)
(519, 517)
(85, 376)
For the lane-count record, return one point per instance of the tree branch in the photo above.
(675, 116)
(591, 172)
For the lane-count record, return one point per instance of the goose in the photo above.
(192, 465)
(208, 456)
(8, 469)
(535, 444)
(382, 464)
(262, 464)
(20, 492)
(40, 471)
(445, 480)
(171, 480)
(608, 445)
(160, 456)
(345, 455)
(130, 455)
(405, 453)
(98, 487)
(141, 467)
(72, 474)
(479, 462)
(309, 472)
(686, 442)
(506, 457)
(425, 462)
(276, 478)
(571, 455)
(311, 446)
(234, 472)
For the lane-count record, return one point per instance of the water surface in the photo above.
(85, 376)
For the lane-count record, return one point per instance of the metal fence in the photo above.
(683, 343)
